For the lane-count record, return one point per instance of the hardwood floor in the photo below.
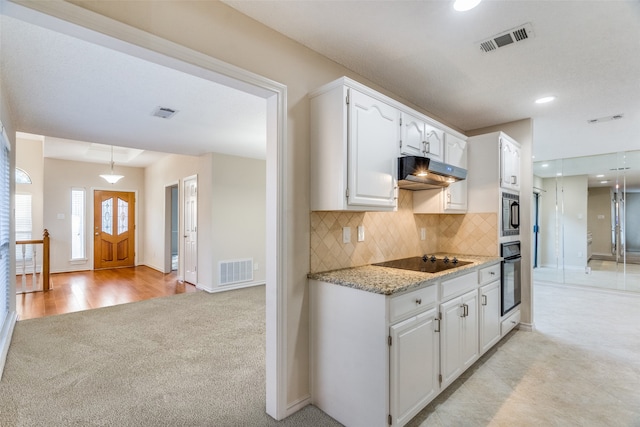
(85, 290)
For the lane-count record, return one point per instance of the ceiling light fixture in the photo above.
(111, 178)
(545, 99)
(464, 5)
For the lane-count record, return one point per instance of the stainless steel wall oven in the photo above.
(511, 276)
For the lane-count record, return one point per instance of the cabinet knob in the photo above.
(419, 301)
(493, 273)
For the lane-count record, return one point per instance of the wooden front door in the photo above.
(114, 229)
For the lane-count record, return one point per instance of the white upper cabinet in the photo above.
(354, 136)
(451, 199)
(372, 155)
(418, 138)
(509, 164)
(455, 150)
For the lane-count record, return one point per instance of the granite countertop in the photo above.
(388, 281)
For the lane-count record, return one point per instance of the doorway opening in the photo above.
(172, 221)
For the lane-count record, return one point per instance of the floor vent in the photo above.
(236, 271)
(505, 38)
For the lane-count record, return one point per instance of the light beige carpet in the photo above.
(186, 360)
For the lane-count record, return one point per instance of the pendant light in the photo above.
(111, 178)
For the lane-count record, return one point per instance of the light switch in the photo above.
(361, 233)
(60, 216)
(423, 233)
(346, 234)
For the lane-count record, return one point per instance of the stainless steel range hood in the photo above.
(422, 173)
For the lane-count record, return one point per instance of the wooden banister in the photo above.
(46, 262)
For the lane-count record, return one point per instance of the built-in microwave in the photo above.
(510, 221)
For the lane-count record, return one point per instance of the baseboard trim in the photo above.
(228, 288)
(5, 338)
(296, 405)
(527, 327)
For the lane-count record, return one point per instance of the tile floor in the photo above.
(603, 274)
(580, 367)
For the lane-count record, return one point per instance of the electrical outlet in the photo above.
(256, 266)
(361, 233)
(346, 234)
(423, 233)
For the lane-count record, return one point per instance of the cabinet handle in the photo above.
(419, 301)
(493, 273)
(484, 300)
(514, 179)
(437, 329)
(466, 310)
(426, 147)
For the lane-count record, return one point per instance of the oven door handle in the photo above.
(512, 260)
(515, 215)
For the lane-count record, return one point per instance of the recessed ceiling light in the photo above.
(545, 99)
(600, 176)
(606, 119)
(604, 182)
(559, 174)
(464, 5)
(545, 165)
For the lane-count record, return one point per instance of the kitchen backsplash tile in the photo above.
(393, 235)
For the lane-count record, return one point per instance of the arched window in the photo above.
(22, 177)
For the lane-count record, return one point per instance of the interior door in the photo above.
(114, 229)
(191, 230)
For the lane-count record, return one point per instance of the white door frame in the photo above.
(73, 20)
(168, 218)
(188, 235)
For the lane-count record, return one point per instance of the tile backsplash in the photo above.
(393, 235)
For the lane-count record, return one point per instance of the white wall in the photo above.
(60, 176)
(563, 223)
(29, 159)
(238, 213)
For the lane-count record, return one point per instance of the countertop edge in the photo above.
(390, 281)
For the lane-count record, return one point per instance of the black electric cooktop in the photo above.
(426, 264)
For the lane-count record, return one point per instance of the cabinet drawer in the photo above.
(489, 274)
(412, 302)
(459, 285)
(510, 322)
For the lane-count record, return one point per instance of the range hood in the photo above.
(423, 173)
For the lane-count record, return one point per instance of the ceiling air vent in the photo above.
(164, 113)
(505, 38)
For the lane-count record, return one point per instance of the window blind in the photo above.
(5, 209)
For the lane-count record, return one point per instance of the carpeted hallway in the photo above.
(186, 360)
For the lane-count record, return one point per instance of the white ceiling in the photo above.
(587, 53)
(71, 90)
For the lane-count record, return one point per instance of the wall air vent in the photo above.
(505, 38)
(235, 271)
(164, 113)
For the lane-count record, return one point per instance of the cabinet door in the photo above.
(450, 341)
(413, 362)
(372, 161)
(455, 197)
(412, 137)
(434, 138)
(455, 152)
(509, 165)
(470, 342)
(489, 315)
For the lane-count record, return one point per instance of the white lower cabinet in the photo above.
(459, 335)
(378, 360)
(489, 316)
(414, 360)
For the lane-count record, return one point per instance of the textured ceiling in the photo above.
(63, 87)
(587, 53)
